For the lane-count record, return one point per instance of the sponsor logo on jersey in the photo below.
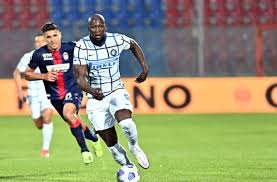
(106, 64)
(58, 67)
(47, 57)
(65, 56)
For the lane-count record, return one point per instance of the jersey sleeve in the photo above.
(34, 63)
(24, 61)
(126, 42)
(80, 54)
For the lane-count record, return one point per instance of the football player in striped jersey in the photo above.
(97, 56)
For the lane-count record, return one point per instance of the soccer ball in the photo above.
(128, 173)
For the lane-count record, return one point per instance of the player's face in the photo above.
(39, 41)
(53, 39)
(97, 29)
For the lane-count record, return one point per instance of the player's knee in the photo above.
(38, 123)
(68, 115)
(47, 114)
(127, 124)
(47, 120)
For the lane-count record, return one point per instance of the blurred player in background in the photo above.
(55, 61)
(97, 56)
(40, 106)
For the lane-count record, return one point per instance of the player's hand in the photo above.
(20, 95)
(142, 77)
(21, 102)
(97, 94)
(51, 76)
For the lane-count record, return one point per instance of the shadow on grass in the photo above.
(26, 176)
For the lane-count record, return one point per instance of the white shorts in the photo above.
(38, 104)
(101, 113)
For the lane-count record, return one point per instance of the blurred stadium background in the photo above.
(205, 56)
(193, 37)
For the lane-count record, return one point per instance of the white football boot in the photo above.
(141, 157)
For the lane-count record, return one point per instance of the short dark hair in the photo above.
(49, 26)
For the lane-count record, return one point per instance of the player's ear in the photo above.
(60, 33)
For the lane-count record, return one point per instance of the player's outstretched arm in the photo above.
(31, 75)
(80, 76)
(138, 53)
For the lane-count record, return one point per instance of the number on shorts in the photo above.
(127, 96)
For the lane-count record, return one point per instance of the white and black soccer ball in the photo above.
(128, 173)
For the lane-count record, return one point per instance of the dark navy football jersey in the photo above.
(60, 61)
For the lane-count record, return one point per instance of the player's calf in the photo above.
(119, 154)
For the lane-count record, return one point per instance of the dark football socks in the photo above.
(89, 135)
(77, 132)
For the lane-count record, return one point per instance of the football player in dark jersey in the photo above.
(55, 61)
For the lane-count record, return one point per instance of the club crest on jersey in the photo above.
(47, 56)
(65, 56)
(113, 52)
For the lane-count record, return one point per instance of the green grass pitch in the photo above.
(197, 148)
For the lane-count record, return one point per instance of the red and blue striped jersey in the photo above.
(60, 61)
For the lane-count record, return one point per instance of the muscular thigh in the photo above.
(72, 101)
